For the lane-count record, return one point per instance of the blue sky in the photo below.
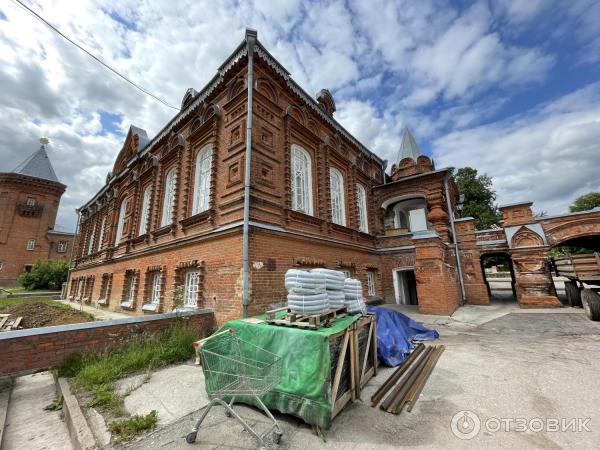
(510, 87)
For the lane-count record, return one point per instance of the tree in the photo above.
(479, 197)
(45, 274)
(586, 202)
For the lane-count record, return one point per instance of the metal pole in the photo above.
(451, 216)
(250, 42)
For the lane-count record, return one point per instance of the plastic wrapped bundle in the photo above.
(353, 297)
(337, 299)
(306, 292)
(334, 279)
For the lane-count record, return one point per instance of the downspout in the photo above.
(250, 42)
(74, 245)
(451, 216)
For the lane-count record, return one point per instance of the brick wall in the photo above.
(45, 348)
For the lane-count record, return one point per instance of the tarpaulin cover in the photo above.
(305, 385)
(395, 333)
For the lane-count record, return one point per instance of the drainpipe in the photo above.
(250, 42)
(74, 244)
(451, 216)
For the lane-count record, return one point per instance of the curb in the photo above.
(5, 391)
(81, 435)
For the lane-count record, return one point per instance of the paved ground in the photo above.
(98, 313)
(28, 425)
(501, 364)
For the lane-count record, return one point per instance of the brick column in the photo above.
(534, 284)
(476, 291)
(438, 289)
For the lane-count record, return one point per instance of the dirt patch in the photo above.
(37, 315)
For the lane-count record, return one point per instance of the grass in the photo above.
(96, 373)
(56, 404)
(8, 302)
(127, 428)
(22, 290)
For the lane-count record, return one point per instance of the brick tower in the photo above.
(29, 200)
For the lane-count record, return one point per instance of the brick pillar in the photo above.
(470, 258)
(534, 285)
(438, 289)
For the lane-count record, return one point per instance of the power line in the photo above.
(52, 27)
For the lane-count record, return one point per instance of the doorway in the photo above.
(405, 286)
(499, 276)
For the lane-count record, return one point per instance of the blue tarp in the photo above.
(396, 333)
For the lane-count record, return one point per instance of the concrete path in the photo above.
(97, 312)
(28, 425)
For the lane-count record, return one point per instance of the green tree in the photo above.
(586, 202)
(479, 197)
(45, 274)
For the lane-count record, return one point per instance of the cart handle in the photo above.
(202, 341)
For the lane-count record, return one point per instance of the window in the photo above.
(301, 180)
(30, 244)
(91, 241)
(80, 286)
(371, 282)
(31, 201)
(336, 182)
(202, 180)
(169, 198)
(27, 268)
(145, 210)
(190, 295)
(61, 247)
(121, 222)
(417, 219)
(130, 287)
(101, 236)
(1, 265)
(361, 199)
(156, 287)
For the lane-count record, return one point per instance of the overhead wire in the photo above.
(97, 59)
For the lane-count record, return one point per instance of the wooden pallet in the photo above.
(7, 324)
(310, 321)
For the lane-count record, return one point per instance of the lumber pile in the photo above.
(7, 324)
(406, 383)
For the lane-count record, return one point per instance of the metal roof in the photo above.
(408, 147)
(38, 165)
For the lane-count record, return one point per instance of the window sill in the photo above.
(102, 302)
(151, 307)
(201, 217)
(87, 299)
(303, 217)
(166, 229)
(127, 305)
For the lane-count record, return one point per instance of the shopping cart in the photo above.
(234, 368)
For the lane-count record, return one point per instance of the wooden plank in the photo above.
(338, 370)
(3, 319)
(366, 357)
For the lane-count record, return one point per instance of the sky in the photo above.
(509, 87)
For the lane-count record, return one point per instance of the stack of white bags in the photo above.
(353, 296)
(321, 290)
(306, 292)
(334, 284)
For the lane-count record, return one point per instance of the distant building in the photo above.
(29, 200)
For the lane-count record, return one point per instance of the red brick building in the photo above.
(29, 200)
(255, 176)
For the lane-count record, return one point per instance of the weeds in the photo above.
(132, 426)
(56, 404)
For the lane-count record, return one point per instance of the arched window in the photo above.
(361, 199)
(169, 197)
(91, 240)
(121, 222)
(338, 209)
(202, 180)
(101, 236)
(301, 180)
(145, 209)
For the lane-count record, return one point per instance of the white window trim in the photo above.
(202, 178)
(307, 194)
(145, 209)
(156, 288)
(371, 283)
(91, 240)
(190, 296)
(338, 201)
(168, 197)
(363, 222)
(31, 244)
(61, 247)
(102, 230)
(121, 222)
(30, 201)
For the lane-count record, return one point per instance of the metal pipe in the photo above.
(419, 389)
(394, 377)
(250, 42)
(401, 387)
(398, 402)
(452, 227)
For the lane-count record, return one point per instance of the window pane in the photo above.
(301, 181)
(336, 183)
(361, 196)
(202, 181)
(145, 210)
(169, 198)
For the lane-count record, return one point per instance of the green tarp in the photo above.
(304, 388)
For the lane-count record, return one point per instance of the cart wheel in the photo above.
(591, 304)
(277, 436)
(573, 294)
(191, 437)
